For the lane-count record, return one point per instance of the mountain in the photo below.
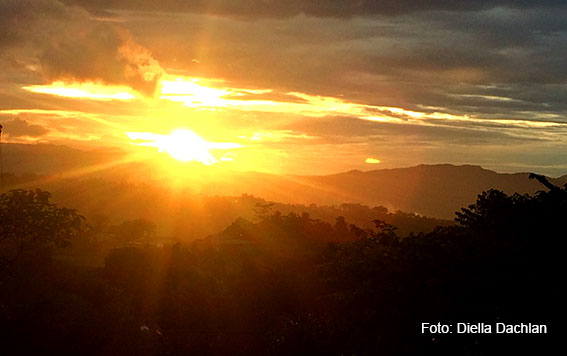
(51, 159)
(430, 190)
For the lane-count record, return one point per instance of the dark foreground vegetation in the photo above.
(285, 284)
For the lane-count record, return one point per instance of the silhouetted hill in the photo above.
(429, 190)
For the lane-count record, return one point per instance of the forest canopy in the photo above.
(289, 284)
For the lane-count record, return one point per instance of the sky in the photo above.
(293, 87)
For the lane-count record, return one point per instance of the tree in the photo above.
(29, 215)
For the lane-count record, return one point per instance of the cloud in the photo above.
(516, 47)
(268, 95)
(440, 59)
(17, 17)
(17, 127)
(318, 8)
(102, 53)
(65, 43)
(348, 129)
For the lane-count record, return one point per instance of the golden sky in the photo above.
(293, 87)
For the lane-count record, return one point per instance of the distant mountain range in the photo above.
(429, 190)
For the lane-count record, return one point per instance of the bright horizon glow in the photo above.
(214, 107)
(73, 77)
(183, 145)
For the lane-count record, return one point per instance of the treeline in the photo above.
(291, 284)
(186, 215)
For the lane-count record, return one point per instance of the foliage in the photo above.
(291, 284)
(29, 215)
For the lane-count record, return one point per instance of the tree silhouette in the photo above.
(29, 215)
(543, 180)
(293, 284)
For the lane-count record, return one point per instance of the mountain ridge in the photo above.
(434, 190)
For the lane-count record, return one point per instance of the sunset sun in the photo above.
(182, 144)
(185, 145)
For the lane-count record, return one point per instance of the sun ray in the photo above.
(84, 170)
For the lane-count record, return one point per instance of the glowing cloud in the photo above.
(191, 93)
(88, 90)
(372, 160)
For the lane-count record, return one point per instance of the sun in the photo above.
(182, 144)
(185, 146)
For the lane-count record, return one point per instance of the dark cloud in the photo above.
(16, 127)
(18, 17)
(103, 53)
(319, 8)
(65, 43)
(448, 60)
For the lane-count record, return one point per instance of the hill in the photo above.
(429, 190)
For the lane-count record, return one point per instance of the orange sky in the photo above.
(300, 91)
